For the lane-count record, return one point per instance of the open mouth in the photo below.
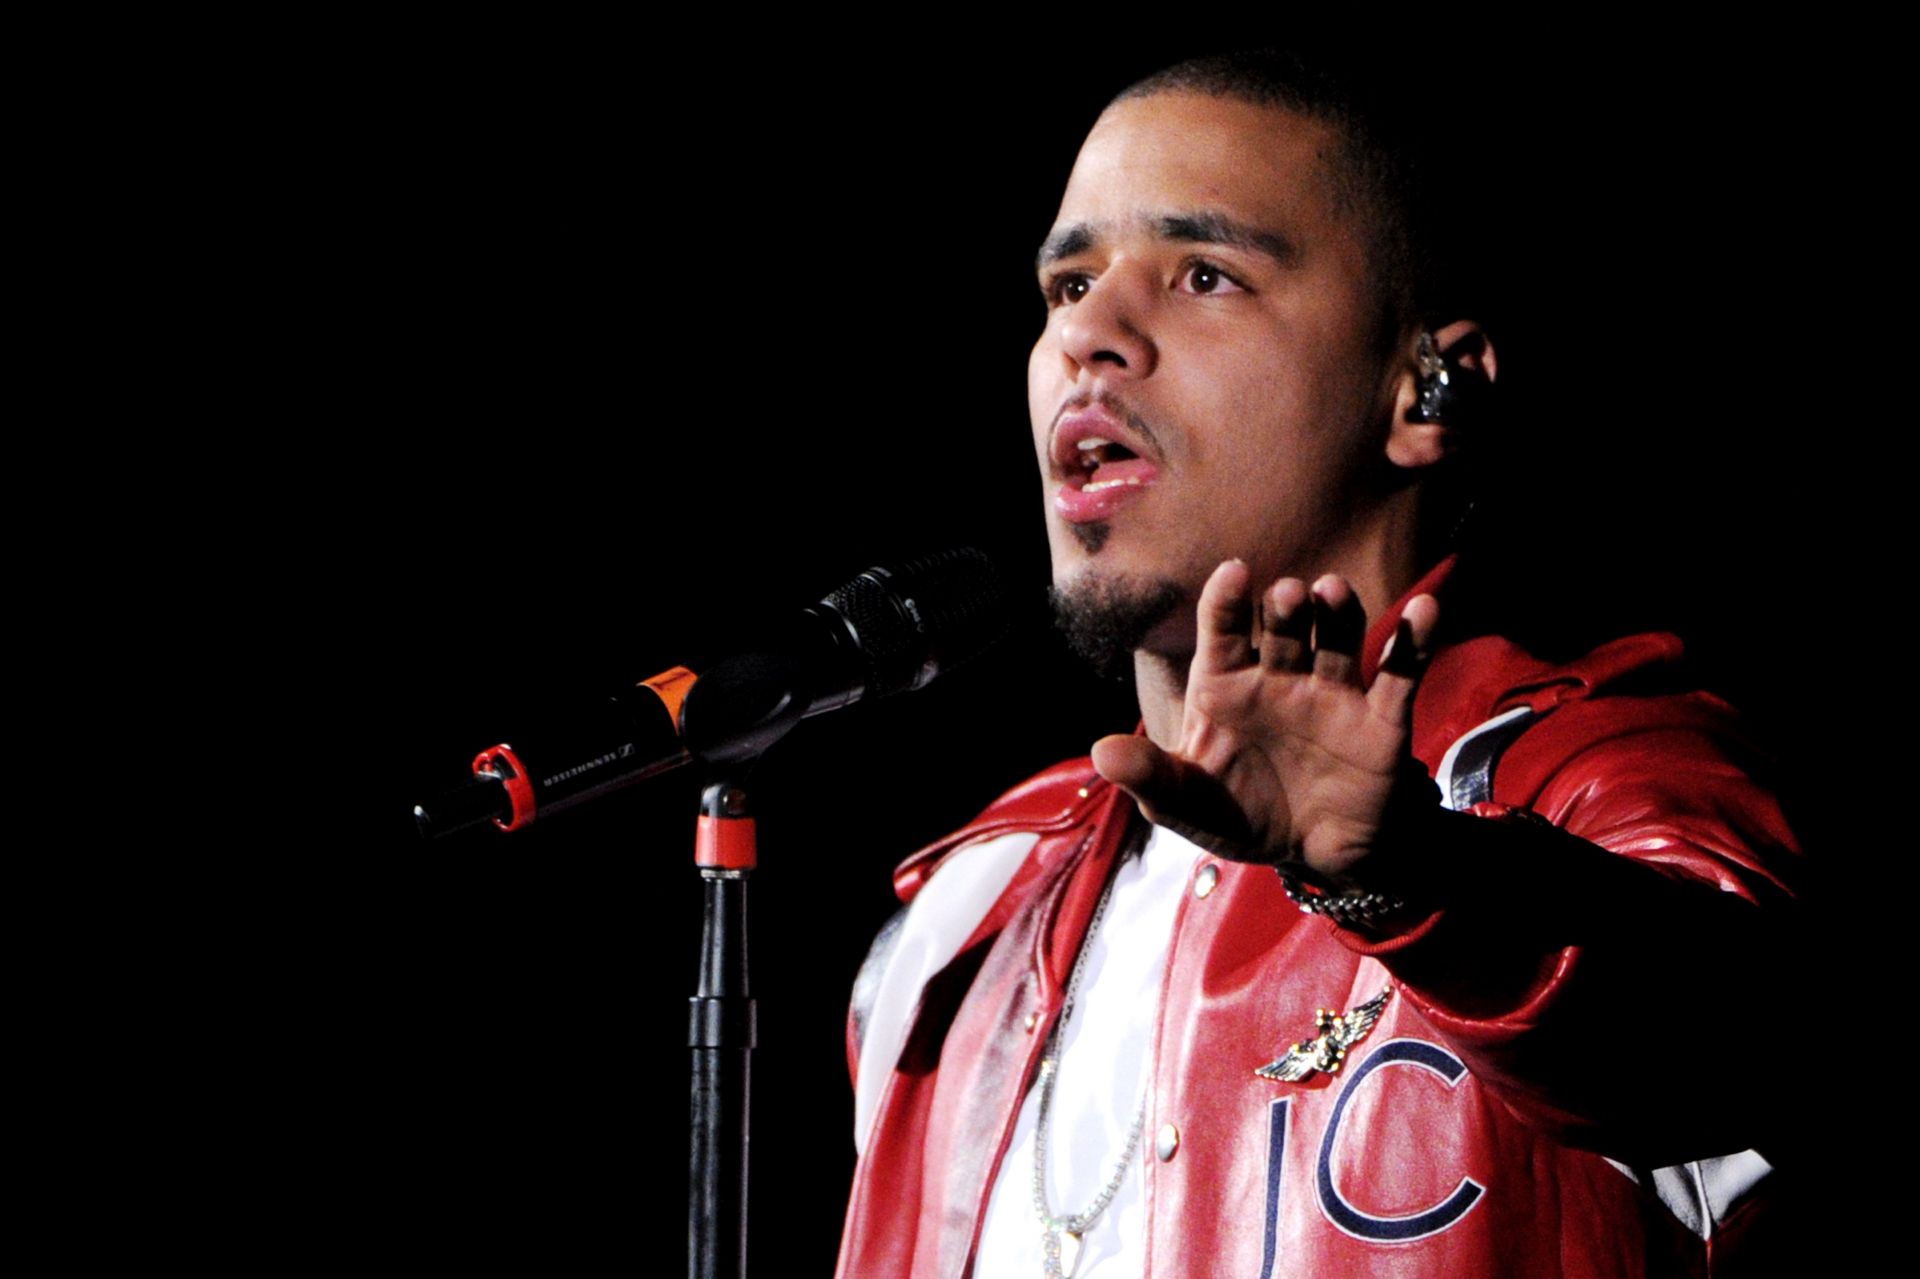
(1094, 469)
(1100, 463)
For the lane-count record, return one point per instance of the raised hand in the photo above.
(1283, 756)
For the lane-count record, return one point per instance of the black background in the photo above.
(595, 341)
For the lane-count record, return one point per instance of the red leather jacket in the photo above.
(1573, 1022)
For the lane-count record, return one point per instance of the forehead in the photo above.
(1171, 153)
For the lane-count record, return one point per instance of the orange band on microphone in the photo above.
(671, 687)
(500, 761)
(727, 843)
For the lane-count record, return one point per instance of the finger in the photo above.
(1174, 792)
(1339, 624)
(1286, 624)
(1226, 620)
(1128, 761)
(1391, 696)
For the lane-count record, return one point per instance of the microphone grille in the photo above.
(924, 616)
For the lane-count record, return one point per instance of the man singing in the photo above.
(1358, 960)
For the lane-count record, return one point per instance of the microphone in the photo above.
(889, 630)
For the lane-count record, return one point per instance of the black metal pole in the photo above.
(721, 1035)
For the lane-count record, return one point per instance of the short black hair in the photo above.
(1376, 176)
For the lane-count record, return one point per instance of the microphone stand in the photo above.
(886, 631)
(721, 1035)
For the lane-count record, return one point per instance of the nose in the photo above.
(1106, 331)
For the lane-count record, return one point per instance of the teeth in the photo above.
(1093, 450)
(1097, 485)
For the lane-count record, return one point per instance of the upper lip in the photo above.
(1093, 421)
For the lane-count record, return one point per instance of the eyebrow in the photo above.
(1064, 243)
(1207, 227)
(1202, 227)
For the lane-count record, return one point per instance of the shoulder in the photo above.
(1634, 685)
(1620, 746)
(1066, 797)
(959, 891)
(1489, 675)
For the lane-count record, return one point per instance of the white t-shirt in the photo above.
(1099, 1083)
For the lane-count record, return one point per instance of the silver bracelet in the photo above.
(1344, 909)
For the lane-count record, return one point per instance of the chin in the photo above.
(1102, 547)
(1106, 615)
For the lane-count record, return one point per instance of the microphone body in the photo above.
(589, 752)
(886, 631)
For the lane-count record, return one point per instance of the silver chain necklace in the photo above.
(1060, 1236)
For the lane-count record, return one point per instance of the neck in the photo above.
(1380, 571)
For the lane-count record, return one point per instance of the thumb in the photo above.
(1128, 761)
(1174, 792)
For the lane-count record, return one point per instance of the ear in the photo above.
(1418, 439)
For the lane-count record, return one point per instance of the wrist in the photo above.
(1358, 909)
(1405, 858)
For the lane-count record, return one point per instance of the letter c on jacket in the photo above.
(1418, 1225)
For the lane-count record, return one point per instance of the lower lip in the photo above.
(1116, 484)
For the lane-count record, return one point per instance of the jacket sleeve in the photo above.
(1614, 955)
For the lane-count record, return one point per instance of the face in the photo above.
(1210, 382)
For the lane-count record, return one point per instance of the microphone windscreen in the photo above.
(928, 615)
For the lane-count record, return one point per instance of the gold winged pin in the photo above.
(1336, 1032)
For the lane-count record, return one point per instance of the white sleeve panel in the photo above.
(1700, 1195)
(940, 919)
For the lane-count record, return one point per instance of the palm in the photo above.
(1283, 756)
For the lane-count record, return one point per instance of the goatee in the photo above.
(1092, 535)
(1105, 619)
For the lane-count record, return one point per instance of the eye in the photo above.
(1206, 278)
(1066, 288)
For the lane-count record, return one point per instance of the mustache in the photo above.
(1113, 404)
